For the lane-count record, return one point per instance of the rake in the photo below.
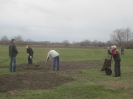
(4, 61)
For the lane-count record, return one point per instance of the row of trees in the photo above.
(6, 41)
(19, 39)
(119, 37)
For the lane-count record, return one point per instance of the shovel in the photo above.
(35, 63)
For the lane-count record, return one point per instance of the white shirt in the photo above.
(52, 53)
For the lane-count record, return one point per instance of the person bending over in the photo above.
(55, 55)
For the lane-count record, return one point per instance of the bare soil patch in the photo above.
(42, 77)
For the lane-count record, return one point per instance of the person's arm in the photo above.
(114, 52)
(109, 52)
(27, 51)
(30, 52)
(15, 49)
(48, 56)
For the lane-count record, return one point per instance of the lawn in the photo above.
(88, 83)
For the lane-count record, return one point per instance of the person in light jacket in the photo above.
(55, 56)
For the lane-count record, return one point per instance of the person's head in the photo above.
(113, 47)
(27, 46)
(13, 41)
(49, 49)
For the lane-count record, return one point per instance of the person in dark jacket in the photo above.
(30, 54)
(12, 54)
(122, 50)
(115, 54)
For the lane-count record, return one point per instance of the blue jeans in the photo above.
(56, 59)
(13, 60)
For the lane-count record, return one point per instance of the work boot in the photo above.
(14, 70)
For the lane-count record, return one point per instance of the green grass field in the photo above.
(88, 84)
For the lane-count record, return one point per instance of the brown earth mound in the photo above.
(34, 77)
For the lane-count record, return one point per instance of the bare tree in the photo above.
(121, 36)
(19, 39)
(128, 36)
(118, 36)
(66, 42)
(85, 43)
(109, 43)
(4, 40)
(95, 43)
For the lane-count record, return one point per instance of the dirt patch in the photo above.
(32, 81)
(64, 66)
(42, 77)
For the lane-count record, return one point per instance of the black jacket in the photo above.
(30, 51)
(13, 50)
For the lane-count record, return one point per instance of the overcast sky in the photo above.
(59, 20)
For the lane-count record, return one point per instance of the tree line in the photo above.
(120, 37)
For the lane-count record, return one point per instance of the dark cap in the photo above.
(12, 40)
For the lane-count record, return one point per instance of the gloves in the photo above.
(31, 57)
(28, 54)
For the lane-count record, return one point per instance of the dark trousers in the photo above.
(117, 68)
(30, 60)
(56, 59)
(122, 52)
